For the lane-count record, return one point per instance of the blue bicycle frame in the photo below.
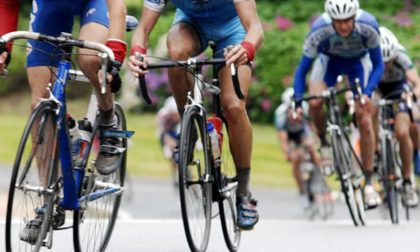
(72, 176)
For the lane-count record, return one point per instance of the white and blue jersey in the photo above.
(213, 20)
(357, 55)
(394, 77)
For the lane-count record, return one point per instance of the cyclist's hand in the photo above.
(136, 65)
(240, 54)
(295, 116)
(4, 57)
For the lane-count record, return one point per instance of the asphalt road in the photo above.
(150, 220)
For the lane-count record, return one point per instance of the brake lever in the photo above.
(104, 68)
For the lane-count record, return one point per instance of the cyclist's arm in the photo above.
(247, 12)
(149, 18)
(300, 76)
(377, 71)
(284, 142)
(245, 52)
(413, 77)
(117, 12)
(9, 14)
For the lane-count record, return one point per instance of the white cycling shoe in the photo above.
(372, 198)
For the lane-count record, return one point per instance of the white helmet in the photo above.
(341, 9)
(287, 95)
(389, 44)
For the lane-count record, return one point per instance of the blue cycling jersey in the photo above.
(200, 9)
(323, 39)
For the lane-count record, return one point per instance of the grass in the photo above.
(145, 157)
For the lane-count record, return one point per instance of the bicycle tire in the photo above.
(344, 175)
(194, 172)
(92, 227)
(37, 147)
(388, 165)
(227, 202)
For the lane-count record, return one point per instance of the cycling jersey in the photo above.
(9, 13)
(52, 17)
(212, 20)
(345, 54)
(202, 9)
(295, 130)
(397, 72)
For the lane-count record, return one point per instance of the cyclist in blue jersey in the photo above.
(344, 40)
(53, 17)
(101, 21)
(226, 22)
(399, 76)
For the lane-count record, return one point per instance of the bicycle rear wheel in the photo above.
(227, 201)
(342, 166)
(32, 185)
(195, 187)
(94, 223)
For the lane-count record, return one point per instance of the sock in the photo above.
(406, 181)
(243, 181)
(368, 177)
(107, 118)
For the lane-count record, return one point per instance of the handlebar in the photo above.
(190, 63)
(106, 56)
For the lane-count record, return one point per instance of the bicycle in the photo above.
(38, 192)
(203, 178)
(390, 168)
(344, 155)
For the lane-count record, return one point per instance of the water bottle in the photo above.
(214, 139)
(85, 131)
(74, 139)
(218, 124)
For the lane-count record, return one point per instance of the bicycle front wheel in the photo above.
(342, 165)
(227, 202)
(93, 224)
(389, 179)
(32, 185)
(194, 180)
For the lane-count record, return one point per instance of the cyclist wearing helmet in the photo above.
(295, 137)
(226, 22)
(399, 74)
(344, 40)
(9, 13)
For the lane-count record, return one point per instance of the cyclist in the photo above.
(9, 12)
(345, 40)
(168, 128)
(295, 137)
(399, 73)
(227, 23)
(53, 17)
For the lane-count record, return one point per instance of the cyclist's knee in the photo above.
(402, 133)
(234, 110)
(315, 105)
(365, 124)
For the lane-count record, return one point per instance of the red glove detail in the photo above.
(119, 48)
(249, 50)
(139, 49)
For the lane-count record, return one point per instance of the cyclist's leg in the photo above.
(364, 114)
(402, 133)
(47, 17)
(316, 86)
(184, 40)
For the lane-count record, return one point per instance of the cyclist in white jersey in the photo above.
(401, 75)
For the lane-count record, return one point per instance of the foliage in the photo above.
(286, 24)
